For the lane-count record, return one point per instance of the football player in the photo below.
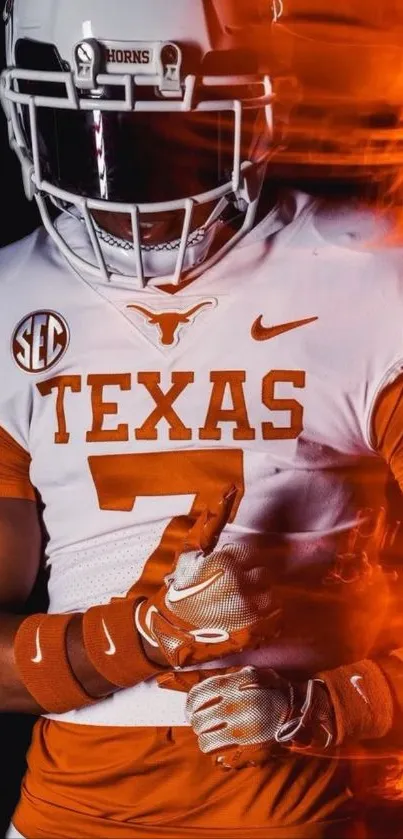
(202, 386)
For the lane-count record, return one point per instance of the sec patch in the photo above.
(40, 341)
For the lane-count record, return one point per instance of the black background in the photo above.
(17, 219)
(17, 216)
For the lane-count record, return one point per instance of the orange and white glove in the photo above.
(244, 714)
(215, 602)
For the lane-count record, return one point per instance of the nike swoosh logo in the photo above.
(112, 648)
(355, 681)
(175, 596)
(264, 333)
(39, 657)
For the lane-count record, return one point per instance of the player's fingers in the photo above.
(184, 680)
(210, 690)
(205, 532)
(220, 738)
(206, 719)
(215, 522)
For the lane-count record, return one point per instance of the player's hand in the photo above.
(242, 715)
(214, 603)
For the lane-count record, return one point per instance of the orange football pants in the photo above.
(90, 782)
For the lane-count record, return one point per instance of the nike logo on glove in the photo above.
(39, 657)
(175, 596)
(264, 333)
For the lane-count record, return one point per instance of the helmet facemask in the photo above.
(161, 147)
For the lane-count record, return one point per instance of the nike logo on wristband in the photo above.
(39, 657)
(355, 681)
(112, 648)
(176, 596)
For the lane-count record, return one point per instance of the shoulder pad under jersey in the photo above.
(356, 225)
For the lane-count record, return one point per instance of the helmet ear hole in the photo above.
(170, 55)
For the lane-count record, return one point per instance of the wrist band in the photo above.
(362, 701)
(113, 644)
(41, 658)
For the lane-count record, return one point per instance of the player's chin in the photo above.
(155, 229)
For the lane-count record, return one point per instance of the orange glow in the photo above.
(347, 58)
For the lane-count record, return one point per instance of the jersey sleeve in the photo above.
(387, 425)
(14, 469)
(388, 434)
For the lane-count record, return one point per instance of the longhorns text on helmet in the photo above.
(159, 46)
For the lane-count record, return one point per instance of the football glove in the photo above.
(215, 602)
(244, 715)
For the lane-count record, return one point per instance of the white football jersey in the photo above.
(140, 407)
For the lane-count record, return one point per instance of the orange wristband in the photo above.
(41, 658)
(362, 701)
(113, 644)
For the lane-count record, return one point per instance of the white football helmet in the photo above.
(141, 108)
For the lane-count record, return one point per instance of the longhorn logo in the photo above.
(169, 323)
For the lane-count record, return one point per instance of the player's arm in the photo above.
(63, 662)
(20, 546)
(388, 434)
(44, 664)
(20, 554)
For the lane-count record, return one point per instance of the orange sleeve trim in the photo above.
(388, 427)
(14, 469)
